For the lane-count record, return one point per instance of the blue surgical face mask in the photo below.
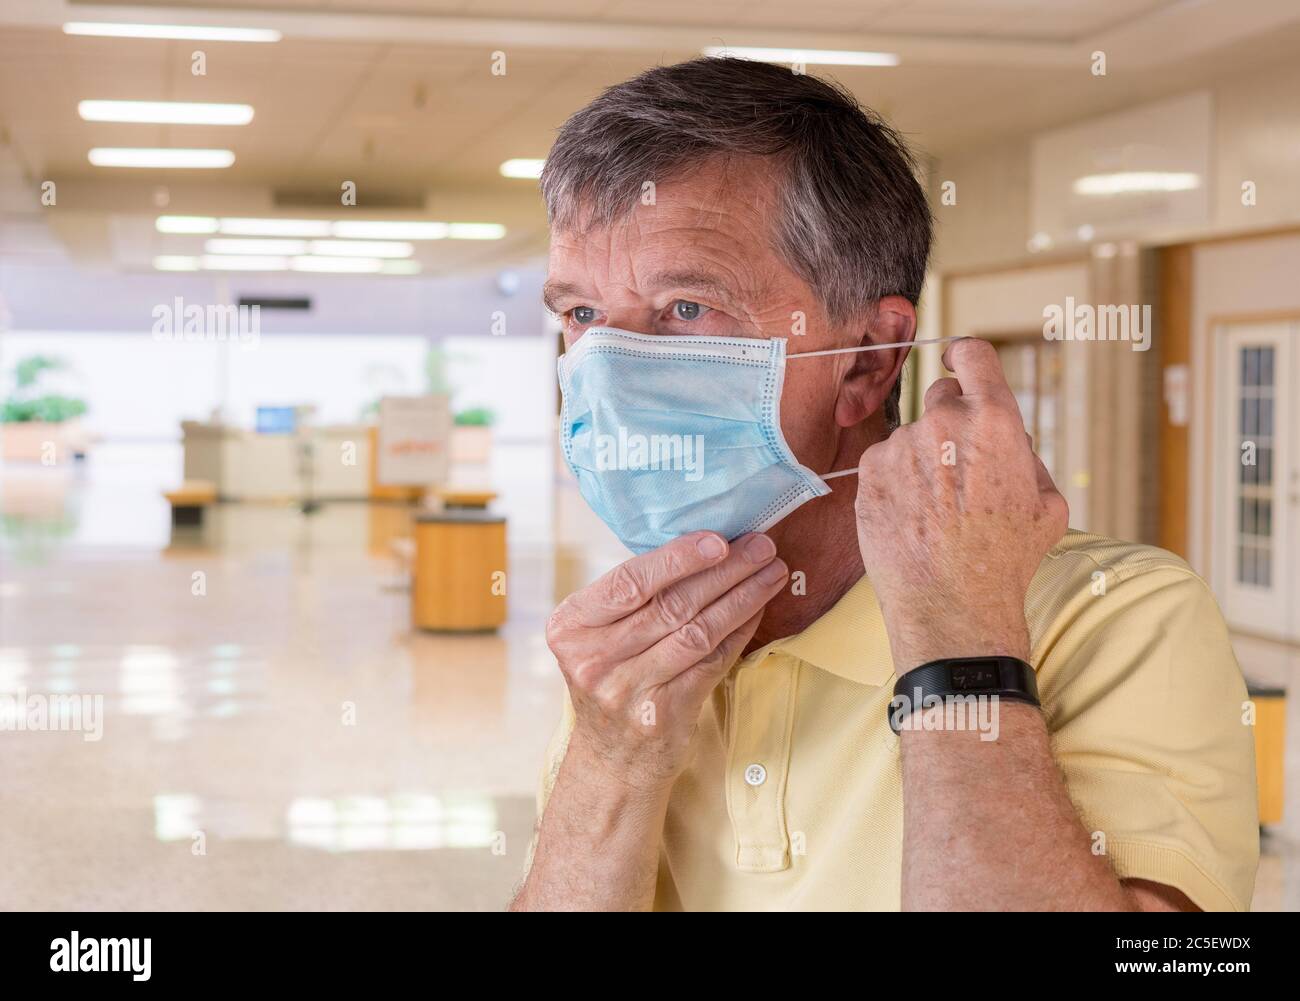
(668, 435)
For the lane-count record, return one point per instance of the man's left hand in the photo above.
(954, 514)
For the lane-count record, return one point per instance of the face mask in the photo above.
(668, 435)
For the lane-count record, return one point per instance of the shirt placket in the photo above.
(758, 762)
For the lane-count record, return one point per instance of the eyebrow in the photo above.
(694, 280)
(688, 280)
(554, 290)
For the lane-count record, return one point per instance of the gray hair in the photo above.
(854, 222)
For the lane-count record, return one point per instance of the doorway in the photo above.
(1256, 476)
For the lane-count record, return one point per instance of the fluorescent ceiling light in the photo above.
(361, 248)
(166, 112)
(1134, 182)
(240, 262)
(185, 224)
(337, 265)
(102, 156)
(362, 229)
(475, 231)
(401, 268)
(174, 262)
(275, 227)
(284, 248)
(523, 168)
(810, 57)
(360, 238)
(188, 32)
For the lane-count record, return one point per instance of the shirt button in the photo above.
(755, 774)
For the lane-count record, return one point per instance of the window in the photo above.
(1254, 440)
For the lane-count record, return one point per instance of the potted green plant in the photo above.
(39, 425)
(471, 435)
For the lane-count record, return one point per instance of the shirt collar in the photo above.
(849, 640)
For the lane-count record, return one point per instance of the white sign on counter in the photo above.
(414, 435)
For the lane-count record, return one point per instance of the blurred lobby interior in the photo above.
(220, 534)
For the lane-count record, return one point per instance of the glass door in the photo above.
(1256, 477)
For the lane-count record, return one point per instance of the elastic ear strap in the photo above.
(873, 347)
(870, 347)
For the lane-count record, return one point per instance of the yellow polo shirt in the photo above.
(793, 796)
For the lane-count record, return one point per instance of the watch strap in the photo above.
(1004, 677)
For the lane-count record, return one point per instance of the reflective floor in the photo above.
(272, 733)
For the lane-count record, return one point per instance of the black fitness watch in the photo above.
(1005, 677)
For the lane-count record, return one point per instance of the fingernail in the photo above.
(760, 549)
(772, 573)
(711, 547)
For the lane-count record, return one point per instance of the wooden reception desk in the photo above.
(249, 466)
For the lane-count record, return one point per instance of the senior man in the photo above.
(726, 237)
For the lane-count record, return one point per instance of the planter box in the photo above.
(471, 444)
(25, 441)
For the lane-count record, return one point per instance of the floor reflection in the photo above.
(261, 689)
(404, 822)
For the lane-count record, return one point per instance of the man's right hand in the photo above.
(643, 646)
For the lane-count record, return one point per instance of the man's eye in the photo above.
(583, 315)
(684, 310)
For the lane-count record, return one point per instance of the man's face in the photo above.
(701, 262)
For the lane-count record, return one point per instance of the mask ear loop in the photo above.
(869, 347)
(874, 347)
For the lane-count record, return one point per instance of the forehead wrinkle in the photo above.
(554, 289)
(748, 270)
(696, 279)
(714, 219)
(741, 189)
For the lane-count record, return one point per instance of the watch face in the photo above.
(975, 674)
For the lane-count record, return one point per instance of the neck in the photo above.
(820, 541)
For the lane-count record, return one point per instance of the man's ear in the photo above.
(873, 373)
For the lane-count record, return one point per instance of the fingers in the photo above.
(630, 585)
(712, 669)
(699, 638)
(978, 369)
(678, 603)
(940, 390)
